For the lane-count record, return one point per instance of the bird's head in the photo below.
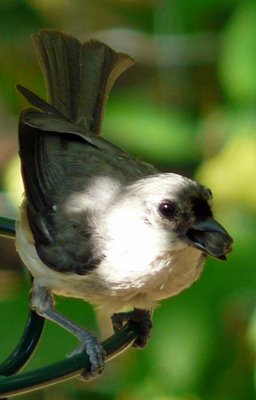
(179, 210)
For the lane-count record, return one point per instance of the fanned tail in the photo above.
(78, 76)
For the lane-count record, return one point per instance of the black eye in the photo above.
(167, 208)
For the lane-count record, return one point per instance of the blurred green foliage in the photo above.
(237, 63)
(185, 115)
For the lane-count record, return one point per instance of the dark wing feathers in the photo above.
(44, 180)
(78, 79)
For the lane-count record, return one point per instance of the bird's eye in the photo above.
(167, 209)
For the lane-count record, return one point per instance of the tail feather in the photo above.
(78, 76)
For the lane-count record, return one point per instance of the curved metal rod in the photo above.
(68, 368)
(33, 328)
(7, 227)
(57, 372)
(26, 346)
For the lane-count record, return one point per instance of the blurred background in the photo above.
(188, 106)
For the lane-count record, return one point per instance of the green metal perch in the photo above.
(13, 384)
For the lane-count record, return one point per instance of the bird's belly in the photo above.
(165, 278)
(184, 269)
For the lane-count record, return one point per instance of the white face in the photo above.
(160, 214)
(137, 233)
(167, 202)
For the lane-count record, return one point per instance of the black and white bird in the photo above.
(96, 223)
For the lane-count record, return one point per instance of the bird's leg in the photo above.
(42, 302)
(142, 317)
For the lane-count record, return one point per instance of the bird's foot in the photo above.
(142, 317)
(92, 347)
(42, 302)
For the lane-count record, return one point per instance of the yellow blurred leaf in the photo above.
(13, 181)
(231, 174)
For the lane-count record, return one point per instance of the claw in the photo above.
(96, 354)
(142, 317)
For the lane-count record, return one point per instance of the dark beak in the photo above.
(210, 237)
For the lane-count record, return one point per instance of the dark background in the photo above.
(188, 105)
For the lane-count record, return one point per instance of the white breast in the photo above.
(139, 281)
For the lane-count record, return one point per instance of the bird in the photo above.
(96, 223)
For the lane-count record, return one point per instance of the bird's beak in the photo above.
(210, 237)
